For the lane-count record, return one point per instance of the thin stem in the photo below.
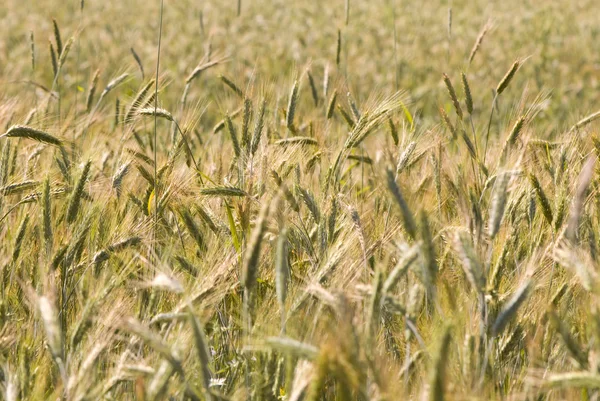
(396, 72)
(347, 12)
(474, 135)
(487, 135)
(187, 145)
(406, 364)
(449, 49)
(479, 181)
(549, 295)
(155, 125)
(78, 67)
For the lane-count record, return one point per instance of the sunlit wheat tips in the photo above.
(403, 260)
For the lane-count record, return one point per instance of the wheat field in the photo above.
(299, 200)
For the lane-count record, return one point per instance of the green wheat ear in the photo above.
(438, 379)
(22, 131)
(77, 194)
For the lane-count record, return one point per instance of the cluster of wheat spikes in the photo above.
(268, 218)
